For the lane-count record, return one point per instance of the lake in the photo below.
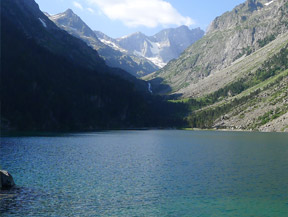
(147, 173)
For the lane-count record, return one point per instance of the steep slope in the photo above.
(160, 48)
(51, 80)
(48, 35)
(235, 77)
(234, 35)
(178, 38)
(113, 56)
(35, 25)
(240, 69)
(255, 98)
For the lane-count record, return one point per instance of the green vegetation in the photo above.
(52, 84)
(205, 110)
(245, 51)
(206, 117)
(266, 40)
(41, 90)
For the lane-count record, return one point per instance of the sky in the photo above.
(117, 18)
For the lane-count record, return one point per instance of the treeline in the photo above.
(206, 117)
(266, 40)
(274, 65)
(43, 91)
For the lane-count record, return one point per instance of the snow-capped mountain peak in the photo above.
(159, 48)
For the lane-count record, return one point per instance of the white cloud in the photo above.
(77, 5)
(149, 13)
(91, 10)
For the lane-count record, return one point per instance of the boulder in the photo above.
(6, 180)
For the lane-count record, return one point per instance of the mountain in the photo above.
(52, 81)
(235, 77)
(251, 94)
(230, 37)
(160, 48)
(113, 55)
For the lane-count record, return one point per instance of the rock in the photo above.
(230, 37)
(225, 117)
(6, 180)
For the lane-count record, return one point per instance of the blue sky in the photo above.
(117, 18)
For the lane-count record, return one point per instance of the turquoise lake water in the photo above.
(147, 173)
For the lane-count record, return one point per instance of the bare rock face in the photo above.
(231, 36)
(6, 180)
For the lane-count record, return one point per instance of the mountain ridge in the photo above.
(113, 57)
(235, 77)
(231, 36)
(159, 48)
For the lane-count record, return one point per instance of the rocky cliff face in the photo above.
(113, 55)
(251, 94)
(179, 39)
(234, 35)
(235, 77)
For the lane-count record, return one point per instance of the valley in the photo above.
(128, 108)
(137, 53)
(233, 77)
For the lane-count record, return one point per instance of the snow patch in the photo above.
(268, 3)
(157, 61)
(43, 22)
(137, 53)
(71, 28)
(113, 45)
(155, 49)
(57, 16)
(128, 36)
(144, 50)
(165, 43)
(123, 37)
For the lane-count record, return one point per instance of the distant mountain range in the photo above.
(160, 48)
(138, 54)
(113, 56)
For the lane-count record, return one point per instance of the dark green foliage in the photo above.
(229, 90)
(245, 51)
(239, 56)
(44, 91)
(265, 118)
(205, 118)
(271, 115)
(274, 65)
(269, 68)
(266, 40)
(284, 13)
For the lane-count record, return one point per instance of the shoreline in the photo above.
(17, 133)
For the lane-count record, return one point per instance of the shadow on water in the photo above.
(56, 134)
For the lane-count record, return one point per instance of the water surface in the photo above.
(147, 173)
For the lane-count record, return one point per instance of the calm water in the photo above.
(147, 173)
